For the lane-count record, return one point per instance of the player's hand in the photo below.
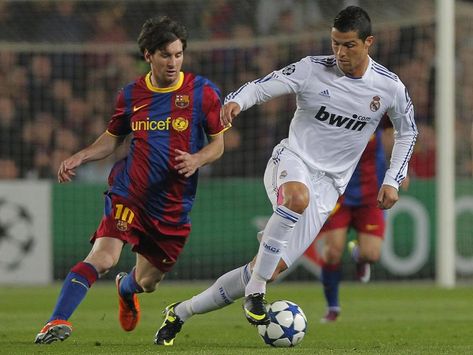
(187, 163)
(67, 168)
(228, 112)
(387, 197)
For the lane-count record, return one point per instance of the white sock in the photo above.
(228, 288)
(276, 234)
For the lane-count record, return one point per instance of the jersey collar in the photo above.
(153, 88)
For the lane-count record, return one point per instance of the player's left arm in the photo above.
(401, 114)
(187, 164)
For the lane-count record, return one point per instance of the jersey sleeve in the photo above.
(211, 108)
(401, 114)
(288, 80)
(119, 124)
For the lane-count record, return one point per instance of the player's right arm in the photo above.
(103, 146)
(289, 80)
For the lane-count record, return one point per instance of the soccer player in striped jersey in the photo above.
(341, 99)
(169, 115)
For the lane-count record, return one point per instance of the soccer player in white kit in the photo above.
(340, 101)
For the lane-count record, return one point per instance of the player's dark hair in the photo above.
(158, 32)
(353, 18)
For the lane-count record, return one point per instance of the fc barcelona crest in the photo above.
(122, 225)
(182, 101)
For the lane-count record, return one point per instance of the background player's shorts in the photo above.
(285, 166)
(158, 242)
(364, 219)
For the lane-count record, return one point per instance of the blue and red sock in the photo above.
(81, 277)
(331, 276)
(129, 286)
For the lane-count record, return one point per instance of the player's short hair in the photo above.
(353, 18)
(158, 32)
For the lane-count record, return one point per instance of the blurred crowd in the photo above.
(54, 102)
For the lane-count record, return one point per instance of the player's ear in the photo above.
(147, 56)
(369, 41)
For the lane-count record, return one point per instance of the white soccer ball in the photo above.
(287, 327)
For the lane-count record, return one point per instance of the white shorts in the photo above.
(285, 166)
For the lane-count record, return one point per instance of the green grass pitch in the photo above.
(378, 318)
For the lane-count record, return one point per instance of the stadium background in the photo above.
(62, 62)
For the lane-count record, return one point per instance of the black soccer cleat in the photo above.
(255, 309)
(172, 325)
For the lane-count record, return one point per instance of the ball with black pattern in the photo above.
(287, 327)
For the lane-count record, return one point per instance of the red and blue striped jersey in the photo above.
(160, 121)
(364, 185)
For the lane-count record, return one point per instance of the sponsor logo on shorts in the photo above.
(371, 227)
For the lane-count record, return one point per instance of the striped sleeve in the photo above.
(405, 133)
(288, 80)
(211, 105)
(119, 124)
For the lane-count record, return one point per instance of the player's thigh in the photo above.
(323, 197)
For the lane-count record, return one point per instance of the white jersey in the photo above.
(337, 114)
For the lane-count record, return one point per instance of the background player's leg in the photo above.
(369, 248)
(365, 252)
(334, 244)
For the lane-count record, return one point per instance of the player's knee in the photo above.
(297, 203)
(333, 255)
(296, 197)
(371, 255)
(102, 262)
